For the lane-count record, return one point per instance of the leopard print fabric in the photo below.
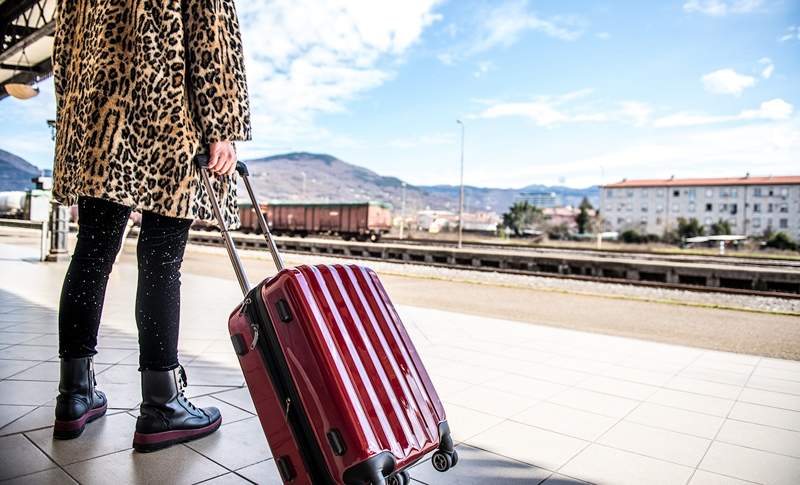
(142, 86)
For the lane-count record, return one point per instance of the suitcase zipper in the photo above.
(253, 326)
(243, 307)
(255, 336)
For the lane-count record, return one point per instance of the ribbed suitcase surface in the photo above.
(363, 390)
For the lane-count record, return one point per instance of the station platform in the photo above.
(527, 403)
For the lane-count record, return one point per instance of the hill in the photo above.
(328, 178)
(318, 177)
(15, 172)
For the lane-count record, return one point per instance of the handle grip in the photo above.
(202, 162)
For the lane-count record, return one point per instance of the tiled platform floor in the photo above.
(528, 404)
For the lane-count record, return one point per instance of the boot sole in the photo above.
(67, 430)
(147, 442)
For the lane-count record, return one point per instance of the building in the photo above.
(565, 216)
(751, 205)
(539, 199)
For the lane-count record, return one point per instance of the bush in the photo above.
(690, 228)
(781, 240)
(632, 237)
(721, 228)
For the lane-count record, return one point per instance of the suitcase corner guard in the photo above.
(371, 470)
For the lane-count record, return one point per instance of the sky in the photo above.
(551, 92)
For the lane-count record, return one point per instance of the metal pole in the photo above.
(43, 241)
(226, 236)
(461, 194)
(262, 222)
(403, 211)
(59, 230)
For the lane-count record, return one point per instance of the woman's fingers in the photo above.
(222, 158)
(233, 158)
(213, 157)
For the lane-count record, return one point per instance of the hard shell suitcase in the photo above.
(339, 388)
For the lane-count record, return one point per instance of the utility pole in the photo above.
(304, 185)
(403, 211)
(461, 195)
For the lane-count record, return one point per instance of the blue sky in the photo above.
(569, 92)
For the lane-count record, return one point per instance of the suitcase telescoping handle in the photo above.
(202, 164)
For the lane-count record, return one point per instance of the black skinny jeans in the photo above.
(162, 241)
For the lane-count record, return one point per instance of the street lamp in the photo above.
(403, 211)
(461, 194)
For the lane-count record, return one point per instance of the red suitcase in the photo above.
(340, 390)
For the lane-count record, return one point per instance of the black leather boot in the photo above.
(166, 416)
(78, 401)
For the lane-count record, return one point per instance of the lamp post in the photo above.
(403, 211)
(461, 193)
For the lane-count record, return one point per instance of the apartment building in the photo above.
(751, 205)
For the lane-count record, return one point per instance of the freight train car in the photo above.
(363, 221)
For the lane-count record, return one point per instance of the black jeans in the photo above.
(162, 241)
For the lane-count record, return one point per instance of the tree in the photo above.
(631, 236)
(521, 216)
(690, 228)
(583, 218)
(781, 240)
(721, 228)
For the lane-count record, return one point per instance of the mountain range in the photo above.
(15, 172)
(317, 177)
(303, 176)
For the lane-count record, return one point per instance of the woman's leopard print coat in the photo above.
(141, 87)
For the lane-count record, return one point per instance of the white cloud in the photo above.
(603, 35)
(774, 110)
(504, 25)
(792, 33)
(423, 140)
(25, 130)
(727, 81)
(541, 112)
(759, 149)
(769, 67)
(447, 59)
(638, 112)
(718, 8)
(549, 111)
(483, 68)
(306, 57)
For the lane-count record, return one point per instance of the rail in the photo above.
(692, 276)
(723, 277)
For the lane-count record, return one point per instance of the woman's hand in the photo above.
(222, 158)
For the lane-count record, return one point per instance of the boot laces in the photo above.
(183, 382)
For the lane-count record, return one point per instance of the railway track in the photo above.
(435, 256)
(609, 253)
(703, 274)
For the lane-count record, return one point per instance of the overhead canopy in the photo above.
(26, 41)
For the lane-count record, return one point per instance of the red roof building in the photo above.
(751, 205)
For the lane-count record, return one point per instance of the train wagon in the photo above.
(363, 221)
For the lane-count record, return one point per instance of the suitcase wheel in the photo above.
(402, 478)
(443, 461)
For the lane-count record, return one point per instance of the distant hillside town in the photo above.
(669, 210)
